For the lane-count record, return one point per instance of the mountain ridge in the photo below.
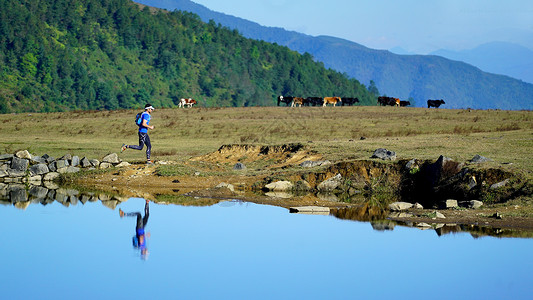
(419, 77)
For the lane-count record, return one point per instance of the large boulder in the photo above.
(330, 184)
(279, 186)
(479, 159)
(384, 154)
(39, 169)
(19, 164)
(111, 158)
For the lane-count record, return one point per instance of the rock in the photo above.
(23, 154)
(399, 206)
(123, 164)
(282, 195)
(66, 157)
(85, 163)
(38, 192)
(331, 183)
(95, 162)
(71, 169)
(499, 184)
(327, 197)
(35, 180)
(302, 185)
(310, 163)
(239, 166)
(38, 160)
(62, 163)
(39, 169)
(384, 154)
(412, 164)
(4, 157)
(439, 215)
(450, 203)
(475, 204)
(226, 185)
(75, 161)
(479, 159)
(310, 210)
(418, 206)
(48, 158)
(111, 158)
(15, 173)
(105, 165)
(497, 216)
(279, 186)
(19, 164)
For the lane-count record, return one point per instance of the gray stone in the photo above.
(4, 157)
(17, 194)
(66, 157)
(75, 161)
(384, 154)
(95, 162)
(62, 163)
(310, 163)
(399, 206)
(48, 158)
(52, 166)
(123, 164)
(105, 165)
(19, 164)
(111, 158)
(35, 180)
(3, 173)
(279, 186)
(239, 166)
(327, 196)
(475, 204)
(472, 183)
(412, 164)
(38, 160)
(499, 184)
(439, 215)
(85, 163)
(39, 169)
(418, 206)
(331, 183)
(479, 159)
(24, 154)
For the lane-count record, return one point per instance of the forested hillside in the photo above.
(58, 55)
(419, 77)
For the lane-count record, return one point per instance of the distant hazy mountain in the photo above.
(421, 77)
(497, 57)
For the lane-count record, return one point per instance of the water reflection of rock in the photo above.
(21, 196)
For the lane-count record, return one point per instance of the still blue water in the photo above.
(241, 250)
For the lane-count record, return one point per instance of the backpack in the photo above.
(138, 119)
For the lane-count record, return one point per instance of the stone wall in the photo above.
(23, 167)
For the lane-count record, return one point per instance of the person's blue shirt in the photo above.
(145, 116)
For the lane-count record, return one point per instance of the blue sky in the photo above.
(418, 26)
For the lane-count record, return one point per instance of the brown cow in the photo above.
(331, 100)
(187, 101)
(297, 101)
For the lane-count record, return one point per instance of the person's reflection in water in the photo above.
(139, 240)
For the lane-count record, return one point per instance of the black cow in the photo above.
(314, 101)
(435, 103)
(384, 101)
(286, 100)
(405, 103)
(349, 101)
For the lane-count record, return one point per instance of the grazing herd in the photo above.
(324, 101)
(316, 101)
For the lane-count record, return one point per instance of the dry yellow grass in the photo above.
(504, 136)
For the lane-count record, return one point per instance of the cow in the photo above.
(405, 103)
(187, 101)
(331, 100)
(384, 101)
(314, 101)
(285, 100)
(435, 103)
(349, 101)
(297, 101)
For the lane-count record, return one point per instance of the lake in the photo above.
(71, 245)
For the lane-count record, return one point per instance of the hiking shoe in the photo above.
(149, 162)
(123, 148)
(120, 212)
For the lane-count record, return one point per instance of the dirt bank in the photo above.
(366, 187)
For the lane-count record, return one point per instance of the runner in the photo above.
(144, 139)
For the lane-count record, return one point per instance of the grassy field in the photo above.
(338, 133)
